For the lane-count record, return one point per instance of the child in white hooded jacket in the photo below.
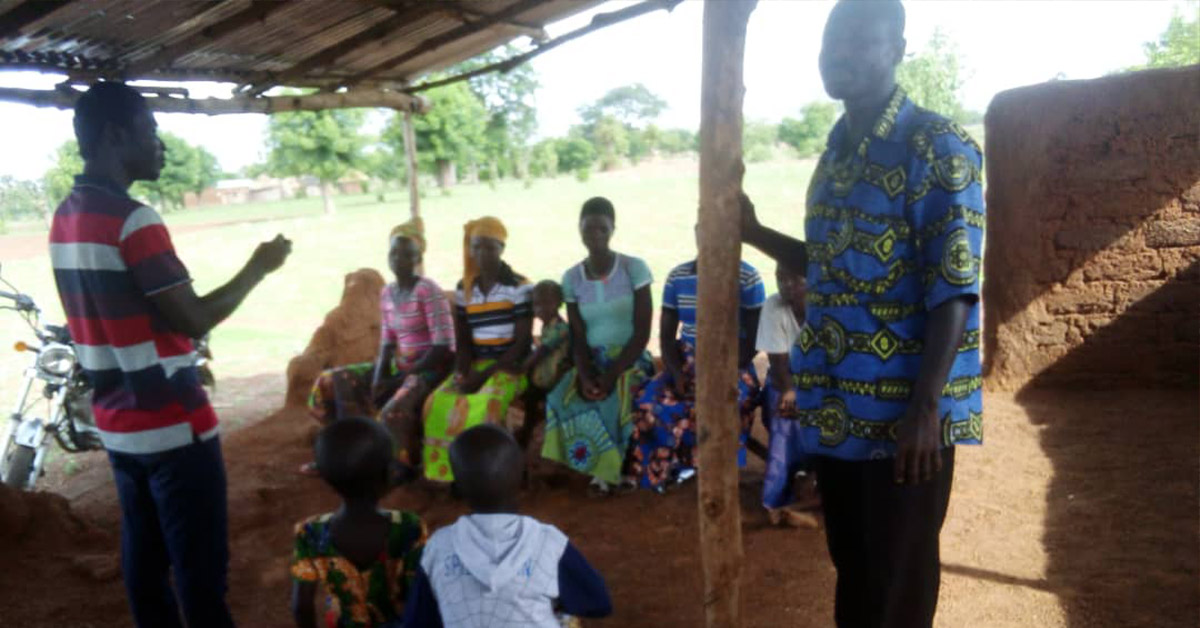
(495, 568)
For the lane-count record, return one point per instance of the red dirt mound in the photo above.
(349, 334)
(42, 519)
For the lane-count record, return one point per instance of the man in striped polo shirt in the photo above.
(132, 312)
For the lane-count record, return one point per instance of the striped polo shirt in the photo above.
(679, 294)
(415, 320)
(110, 254)
(492, 317)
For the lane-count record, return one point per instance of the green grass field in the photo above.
(656, 210)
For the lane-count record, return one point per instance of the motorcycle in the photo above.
(69, 421)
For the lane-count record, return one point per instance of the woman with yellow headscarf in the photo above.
(493, 324)
(416, 349)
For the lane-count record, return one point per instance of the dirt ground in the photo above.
(1081, 510)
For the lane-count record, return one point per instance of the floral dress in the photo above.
(368, 598)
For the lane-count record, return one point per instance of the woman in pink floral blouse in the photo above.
(416, 352)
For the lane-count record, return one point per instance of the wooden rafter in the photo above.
(26, 13)
(199, 20)
(256, 12)
(64, 98)
(466, 13)
(599, 21)
(328, 55)
(454, 34)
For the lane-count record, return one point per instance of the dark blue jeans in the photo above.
(173, 519)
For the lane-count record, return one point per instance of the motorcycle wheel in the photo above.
(18, 466)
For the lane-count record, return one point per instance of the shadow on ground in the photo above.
(1123, 508)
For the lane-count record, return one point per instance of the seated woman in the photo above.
(665, 438)
(589, 414)
(493, 324)
(415, 352)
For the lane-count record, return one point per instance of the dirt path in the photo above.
(1080, 511)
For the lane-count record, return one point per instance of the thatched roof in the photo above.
(356, 46)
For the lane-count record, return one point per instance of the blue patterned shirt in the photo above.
(893, 229)
(679, 294)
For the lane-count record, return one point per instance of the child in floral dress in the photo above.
(365, 558)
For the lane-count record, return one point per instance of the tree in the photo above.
(807, 135)
(934, 76)
(384, 166)
(186, 168)
(512, 110)
(633, 105)
(20, 199)
(611, 139)
(677, 141)
(324, 144)
(615, 122)
(543, 160)
(574, 154)
(1179, 45)
(60, 178)
(758, 140)
(450, 136)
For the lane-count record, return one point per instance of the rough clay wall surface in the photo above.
(1093, 233)
(349, 334)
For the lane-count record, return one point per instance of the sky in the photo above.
(1003, 44)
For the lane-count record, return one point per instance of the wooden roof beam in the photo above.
(256, 12)
(468, 14)
(371, 35)
(64, 98)
(26, 13)
(599, 21)
(437, 41)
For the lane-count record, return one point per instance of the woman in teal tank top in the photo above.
(589, 414)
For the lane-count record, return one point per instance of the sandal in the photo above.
(309, 469)
(599, 488)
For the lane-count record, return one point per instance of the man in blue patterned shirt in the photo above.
(888, 375)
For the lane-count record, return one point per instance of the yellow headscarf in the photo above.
(413, 230)
(487, 227)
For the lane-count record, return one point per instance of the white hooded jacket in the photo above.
(494, 571)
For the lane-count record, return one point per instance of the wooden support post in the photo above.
(410, 162)
(721, 92)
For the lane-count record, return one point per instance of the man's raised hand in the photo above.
(269, 256)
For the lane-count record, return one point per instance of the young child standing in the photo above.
(780, 325)
(552, 359)
(365, 557)
(549, 361)
(495, 568)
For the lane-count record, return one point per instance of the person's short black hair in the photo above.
(598, 206)
(891, 12)
(790, 268)
(354, 456)
(551, 285)
(104, 103)
(488, 467)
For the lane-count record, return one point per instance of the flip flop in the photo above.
(309, 469)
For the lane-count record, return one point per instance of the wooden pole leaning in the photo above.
(410, 162)
(721, 168)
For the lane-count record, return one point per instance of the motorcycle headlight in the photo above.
(57, 361)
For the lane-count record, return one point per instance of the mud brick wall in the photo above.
(1093, 234)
